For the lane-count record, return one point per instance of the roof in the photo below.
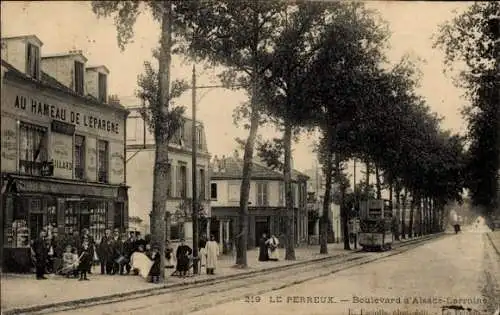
(234, 170)
(97, 67)
(50, 82)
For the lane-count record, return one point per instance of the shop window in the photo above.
(51, 213)
(33, 61)
(98, 211)
(103, 161)
(79, 83)
(262, 199)
(16, 231)
(79, 157)
(70, 218)
(32, 148)
(281, 193)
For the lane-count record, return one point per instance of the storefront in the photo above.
(62, 165)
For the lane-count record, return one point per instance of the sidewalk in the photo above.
(20, 291)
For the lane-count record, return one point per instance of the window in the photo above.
(79, 156)
(132, 123)
(33, 148)
(201, 185)
(102, 160)
(199, 138)
(181, 181)
(213, 191)
(262, 194)
(169, 180)
(33, 61)
(79, 77)
(102, 87)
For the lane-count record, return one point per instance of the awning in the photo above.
(26, 184)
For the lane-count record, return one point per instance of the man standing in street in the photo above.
(129, 249)
(104, 252)
(39, 252)
(212, 252)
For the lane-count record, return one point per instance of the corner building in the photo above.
(62, 149)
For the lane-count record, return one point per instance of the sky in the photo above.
(68, 25)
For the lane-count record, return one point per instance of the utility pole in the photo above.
(194, 204)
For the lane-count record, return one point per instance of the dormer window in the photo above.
(79, 83)
(33, 61)
(102, 87)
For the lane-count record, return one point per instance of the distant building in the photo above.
(140, 167)
(62, 151)
(266, 203)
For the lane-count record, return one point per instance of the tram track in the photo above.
(191, 297)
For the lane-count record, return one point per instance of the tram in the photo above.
(376, 224)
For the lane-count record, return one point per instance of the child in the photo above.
(85, 261)
(68, 262)
(155, 269)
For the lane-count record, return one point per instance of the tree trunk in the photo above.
(367, 164)
(420, 216)
(160, 178)
(290, 211)
(412, 210)
(377, 181)
(425, 215)
(328, 168)
(344, 213)
(403, 215)
(242, 246)
(397, 191)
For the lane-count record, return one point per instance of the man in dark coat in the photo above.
(86, 237)
(129, 248)
(105, 252)
(117, 247)
(182, 255)
(40, 253)
(263, 253)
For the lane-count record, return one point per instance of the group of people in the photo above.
(74, 254)
(268, 248)
(209, 252)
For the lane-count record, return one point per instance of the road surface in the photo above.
(455, 270)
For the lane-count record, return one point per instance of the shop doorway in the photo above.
(36, 224)
(261, 227)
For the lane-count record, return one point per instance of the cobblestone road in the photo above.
(458, 269)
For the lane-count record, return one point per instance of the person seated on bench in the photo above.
(183, 261)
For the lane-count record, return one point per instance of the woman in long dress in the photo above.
(212, 252)
(263, 254)
(182, 254)
(272, 244)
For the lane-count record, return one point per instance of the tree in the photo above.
(469, 39)
(285, 87)
(155, 89)
(238, 36)
(351, 49)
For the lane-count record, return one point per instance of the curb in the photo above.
(37, 308)
(493, 243)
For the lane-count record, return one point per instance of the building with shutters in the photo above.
(267, 212)
(140, 166)
(62, 148)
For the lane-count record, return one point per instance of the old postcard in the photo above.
(250, 157)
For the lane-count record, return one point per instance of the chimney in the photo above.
(96, 82)
(215, 164)
(114, 100)
(222, 164)
(67, 68)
